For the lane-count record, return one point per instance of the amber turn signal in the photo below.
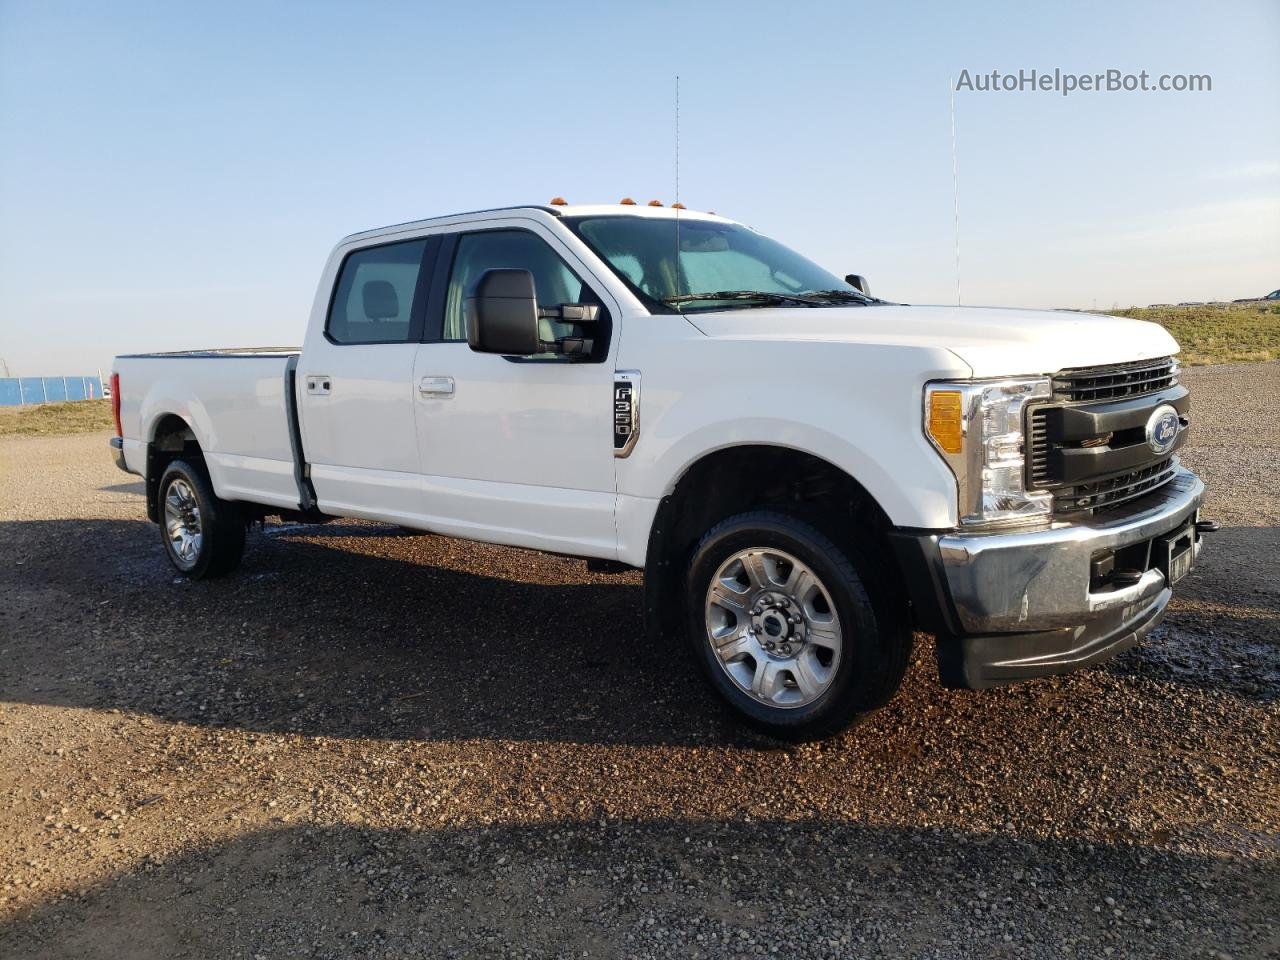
(945, 424)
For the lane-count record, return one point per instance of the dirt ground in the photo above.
(373, 744)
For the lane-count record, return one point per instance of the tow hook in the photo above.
(1208, 526)
(1126, 577)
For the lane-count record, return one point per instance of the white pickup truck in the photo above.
(805, 473)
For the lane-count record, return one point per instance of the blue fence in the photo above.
(25, 390)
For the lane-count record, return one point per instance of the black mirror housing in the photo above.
(502, 314)
(858, 282)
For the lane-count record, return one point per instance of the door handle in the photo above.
(436, 386)
(318, 386)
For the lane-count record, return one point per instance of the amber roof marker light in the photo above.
(627, 202)
(655, 203)
(559, 202)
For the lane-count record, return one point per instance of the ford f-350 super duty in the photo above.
(805, 473)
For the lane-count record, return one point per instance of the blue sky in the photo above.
(173, 175)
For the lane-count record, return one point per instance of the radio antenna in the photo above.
(677, 201)
(955, 182)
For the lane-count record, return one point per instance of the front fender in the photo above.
(908, 480)
(856, 406)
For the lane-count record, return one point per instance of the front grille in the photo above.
(1114, 490)
(1089, 388)
(1115, 382)
(1038, 447)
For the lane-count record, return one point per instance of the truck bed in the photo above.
(234, 400)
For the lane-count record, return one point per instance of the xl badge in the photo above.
(1162, 428)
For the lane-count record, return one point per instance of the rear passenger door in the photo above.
(518, 450)
(355, 384)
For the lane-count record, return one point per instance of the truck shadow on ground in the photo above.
(655, 888)
(353, 629)
(135, 486)
(362, 630)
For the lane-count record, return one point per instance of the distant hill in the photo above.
(1218, 332)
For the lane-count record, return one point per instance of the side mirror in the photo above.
(858, 283)
(502, 314)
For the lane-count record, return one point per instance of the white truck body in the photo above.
(435, 435)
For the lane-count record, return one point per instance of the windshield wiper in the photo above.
(847, 296)
(765, 297)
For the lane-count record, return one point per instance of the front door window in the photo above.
(554, 282)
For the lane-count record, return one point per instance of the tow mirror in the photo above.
(502, 313)
(858, 282)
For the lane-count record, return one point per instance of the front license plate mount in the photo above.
(1175, 553)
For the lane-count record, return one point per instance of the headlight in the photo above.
(977, 427)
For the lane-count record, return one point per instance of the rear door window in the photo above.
(378, 297)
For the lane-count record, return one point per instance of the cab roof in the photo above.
(557, 210)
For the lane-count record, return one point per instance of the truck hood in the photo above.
(993, 341)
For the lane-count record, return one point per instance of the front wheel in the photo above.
(203, 535)
(796, 633)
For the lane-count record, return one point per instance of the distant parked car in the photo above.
(1272, 297)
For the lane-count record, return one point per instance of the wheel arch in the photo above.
(169, 437)
(739, 477)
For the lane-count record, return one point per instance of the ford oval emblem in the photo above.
(1163, 427)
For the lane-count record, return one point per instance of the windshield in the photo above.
(718, 266)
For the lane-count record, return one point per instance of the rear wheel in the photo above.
(792, 630)
(203, 535)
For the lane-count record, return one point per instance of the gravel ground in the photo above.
(372, 744)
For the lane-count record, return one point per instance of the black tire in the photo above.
(221, 524)
(876, 637)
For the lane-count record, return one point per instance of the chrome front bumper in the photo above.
(1040, 580)
(1015, 605)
